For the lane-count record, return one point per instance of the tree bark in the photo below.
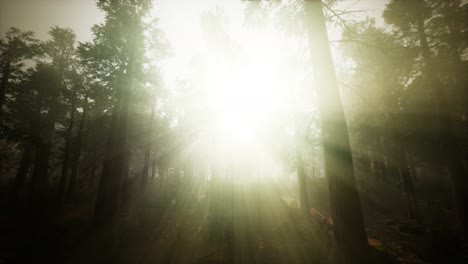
(349, 228)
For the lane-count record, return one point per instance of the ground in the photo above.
(165, 227)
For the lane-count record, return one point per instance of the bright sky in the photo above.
(179, 19)
(272, 82)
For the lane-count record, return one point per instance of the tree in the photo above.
(349, 228)
(119, 46)
(22, 111)
(414, 20)
(77, 148)
(46, 82)
(52, 88)
(61, 49)
(383, 66)
(16, 47)
(148, 150)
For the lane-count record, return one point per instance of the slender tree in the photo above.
(148, 150)
(349, 227)
(76, 152)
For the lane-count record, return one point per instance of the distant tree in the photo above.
(46, 82)
(119, 47)
(62, 51)
(59, 53)
(415, 22)
(19, 130)
(384, 134)
(15, 48)
(82, 94)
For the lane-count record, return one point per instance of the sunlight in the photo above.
(233, 131)
(245, 98)
(243, 104)
(248, 84)
(248, 91)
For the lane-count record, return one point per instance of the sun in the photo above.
(245, 99)
(245, 94)
(244, 104)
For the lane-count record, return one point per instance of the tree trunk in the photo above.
(303, 196)
(449, 145)
(23, 170)
(124, 152)
(399, 160)
(166, 180)
(408, 186)
(4, 84)
(115, 167)
(77, 153)
(371, 163)
(39, 179)
(148, 146)
(153, 169)
(66, 160)
(110, 180)
(349, 229)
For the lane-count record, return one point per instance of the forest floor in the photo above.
(264, 227)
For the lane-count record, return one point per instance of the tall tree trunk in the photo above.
(39, 180)
(23, 170)
(166, 181)
(66, 160)
(110, 180)
(349, 229)
(124, 152)
(148, 147)
(44, 133)
(44, 129)
(115, 167)
(77, 153)
(372, 165)
(4, 84)
(408, 186)
(303, 196)
(153, 169)
(450, 148)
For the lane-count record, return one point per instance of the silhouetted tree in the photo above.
(349, 228)
(15, 48)
(414, 20)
